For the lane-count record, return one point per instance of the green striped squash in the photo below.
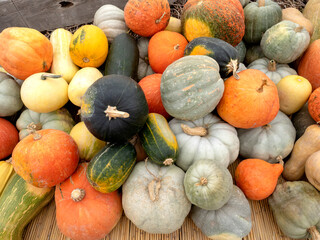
(20, 202)
(110, 167)
(158, 140)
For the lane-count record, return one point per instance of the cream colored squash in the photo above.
(294, 15)
(174, 25)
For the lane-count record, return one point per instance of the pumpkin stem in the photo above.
(49, 75)
(233, 67)
(159, 20)
(315, 235)
(196, 131)
(78, 194)
(264, 83)
(298, 29)
(32, 128)
(155, 177)
(203, 182)
(9, 160)
(262, 3)
(176, 47)
(168, 161)
(272, 66)
(112, 112)
(267, 126)
(85, 60)
(280, 160)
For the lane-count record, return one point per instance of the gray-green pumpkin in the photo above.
(241, 48)
(253, 53)
(144, 69)
(191, 87)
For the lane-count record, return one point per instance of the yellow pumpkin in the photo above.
(44, 92)
(174, 25)
(80, 83)
(89, 46)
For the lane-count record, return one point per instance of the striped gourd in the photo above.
(6, 171)
(158, 140)
(20, 202)
(111, 166)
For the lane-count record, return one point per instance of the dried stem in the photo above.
(196, 131)
(272, 66)
(264, 83)
(315, 235)
(78, 194)
(112, 112)
(49, 75)
(32, 128)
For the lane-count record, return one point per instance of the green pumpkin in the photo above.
(253, 53)
(242, 49)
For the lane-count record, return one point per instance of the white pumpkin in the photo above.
(205, 138)
(144, 69)
(110, 19)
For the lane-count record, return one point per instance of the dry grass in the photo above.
(299, 4)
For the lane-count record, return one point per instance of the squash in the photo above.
(242, 50)
(294, 15)
(301, 120)
(310, 11)
(56, 155)
(144, 69)
(24, 51)
(10, 100)
(208, 185)
(275, 71)
(6, 171)
(250, 100)
(60, 119)
(20, 202)
(164, 48)
(80, 83)
(215, 48)
(306, 145)
(76, 196)
(148, 17)
(89, 46)
(62, 63)
(205, 138)
(314, 105)
(191, 87)
(153, 198)
(114, 108)
(8, 138)
(221, 19)
(253, 53)
(274, 42)
(158, 141)
(111, 166)
(259, 17)
(44, 92)
(312, 169)
(215, 224)
(174, 25)
(110, 19)
(295, 207)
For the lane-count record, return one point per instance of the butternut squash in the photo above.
(313, 168)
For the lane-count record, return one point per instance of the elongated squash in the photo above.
(6, 171)
(20, 202)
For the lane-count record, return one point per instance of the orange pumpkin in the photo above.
(314, 105)
(46, 157)
(147, 17)
(250, 101)
(309, 64)
(24, 51)
(9, 137)
(83, 213)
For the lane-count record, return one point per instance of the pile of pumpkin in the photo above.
(162, 117)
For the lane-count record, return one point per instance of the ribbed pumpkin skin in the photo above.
(221, 19)
(249, 102)
(191, 87)
(24, 51)
(158, 140)
(111, 166)
(314, 105)
(8, 138)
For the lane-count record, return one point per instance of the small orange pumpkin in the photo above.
(9, 137)
(314, 105)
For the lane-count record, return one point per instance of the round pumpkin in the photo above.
(89, 46)
(44, 92)
(314, 105)
(56, 155)
(164, 48)
(24, 51)
(191, 87)
(8, 138)
(250, 100)
(144, 69)
(148, 17)
(76, 196)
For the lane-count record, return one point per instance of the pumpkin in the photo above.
(205, 138)
(8, 138)
(56, 153)
(307, 65)
(89, 46)
(174, 25)
(250, 100)
(295, 207)
(274, 42)
(151, 87)
(114, 108)
(83, 79)
(314, 105)
(10, 100)
(301, 120)
(260, 16)
(242, 49)
(221, 19)
(310, 11)
(275, 71)
(164, 48)
(24, 51)
(44, 92)
(294, 92)
(294, 15)
(312, 169)
(74, 197)
(144, 69)
(148, 17)
(60, 119)
(110, 19)
(253, 53)
(191, 87)
(215, 224)
(149, 190)
(208, 185)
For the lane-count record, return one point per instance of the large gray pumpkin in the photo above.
(155, 204)
(231, 222)
(191, 87)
